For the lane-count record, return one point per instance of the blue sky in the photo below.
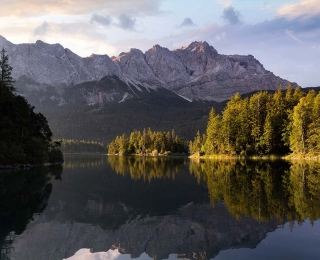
(284, 35)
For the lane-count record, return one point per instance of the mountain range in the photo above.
(196, 71)
(98, 97)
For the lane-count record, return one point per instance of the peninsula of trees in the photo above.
(25, 137)
(264, 124)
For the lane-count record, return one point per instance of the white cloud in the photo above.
(36, 8)
(304, 7)
(224, 3)
(85, 254)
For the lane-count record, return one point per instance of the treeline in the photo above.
(25, 136)
(148, 142)
(82, 146)
(264, 124)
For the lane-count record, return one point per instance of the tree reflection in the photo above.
(146, 168)
(264, 190)
(22, 193)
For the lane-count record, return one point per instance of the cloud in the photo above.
(103, 20)
(303, 8)
(224, 3)
(42, 29)
(187, 22)
(267, 7)
(36, 8)
(126, 22)
(80, 37)
(231, 16)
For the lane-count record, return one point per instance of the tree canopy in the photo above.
(264, 124)
(148, 142)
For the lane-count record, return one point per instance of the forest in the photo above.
(148, 142)
(286, 122)
(25, 136)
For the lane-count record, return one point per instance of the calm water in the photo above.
(99, 207)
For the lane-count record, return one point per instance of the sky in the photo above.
(284, 35)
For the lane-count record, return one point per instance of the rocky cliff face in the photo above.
(55, 66)
(196, 71)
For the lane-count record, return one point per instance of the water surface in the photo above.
(99, 207)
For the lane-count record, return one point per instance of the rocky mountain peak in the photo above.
(158, 48)
(201, 46)
(136, 51)
(196, 71)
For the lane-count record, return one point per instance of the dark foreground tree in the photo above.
(25, 136)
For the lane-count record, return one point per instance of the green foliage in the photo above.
(264, 124)
(305, 126)
(196, 145)
(213, 134)
(148, 142)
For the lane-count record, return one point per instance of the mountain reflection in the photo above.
(161, 207)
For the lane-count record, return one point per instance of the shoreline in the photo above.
(257, 157)
(27, 166)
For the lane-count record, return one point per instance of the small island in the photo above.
(25, 136)
(149, 142)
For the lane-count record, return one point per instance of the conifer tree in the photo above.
(300, 123)
(313, 134)
(258, 112)
(6, 79)
(213, 135)
(195, 146)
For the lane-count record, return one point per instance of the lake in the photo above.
(107, 207)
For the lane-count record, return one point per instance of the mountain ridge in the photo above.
(196, 71)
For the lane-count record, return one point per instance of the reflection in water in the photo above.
(263, 190)
(22, 194)
(147, 168)
(160, 207)
(84, 161)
